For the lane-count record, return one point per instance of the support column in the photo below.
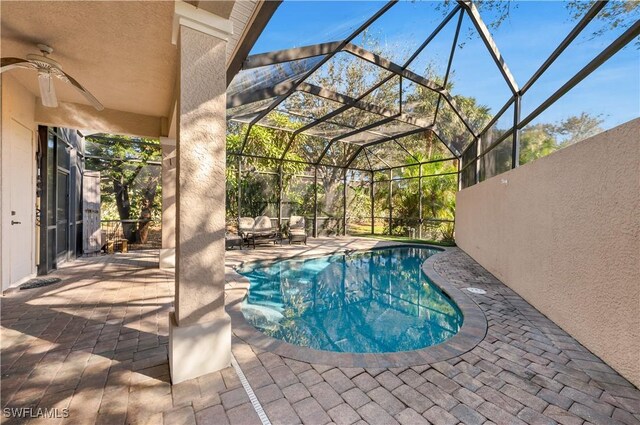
(390, 202)
(315, 202)
(239, 158)
(373, 218)
(515, 148)
(344, 203)
(476, 164)
(168, 251)
(280, 198)
(200, 328)
(420, 219)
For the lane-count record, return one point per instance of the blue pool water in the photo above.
(376, 301)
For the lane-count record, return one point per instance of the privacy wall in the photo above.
(564, 233)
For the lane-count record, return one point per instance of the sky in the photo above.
(525, 39)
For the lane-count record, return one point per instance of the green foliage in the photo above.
(438, 200)
(408, 196)
(129, 182)
(539, 140)
(298, 192)
(358, 201)
(259, 176)
(348, 75)
(615, 14)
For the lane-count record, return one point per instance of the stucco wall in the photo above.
(18, 104)
(564, 233)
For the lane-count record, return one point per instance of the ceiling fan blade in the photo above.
(10, 63)
(69, 79)
(47, 91)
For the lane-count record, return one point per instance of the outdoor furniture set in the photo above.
(258, 230)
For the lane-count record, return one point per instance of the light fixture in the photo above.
(47, 92)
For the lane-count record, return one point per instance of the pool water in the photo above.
(376, 301)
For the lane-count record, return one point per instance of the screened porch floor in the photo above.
(96, 344)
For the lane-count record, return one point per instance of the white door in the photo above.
(20, 183)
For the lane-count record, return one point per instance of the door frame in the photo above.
(61, 257)
(6, 207)
(51, 165)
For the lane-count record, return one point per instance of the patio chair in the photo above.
(245, 226)
(297, 230)
(262, 231)
(262, 227)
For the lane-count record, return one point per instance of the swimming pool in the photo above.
(376, 301)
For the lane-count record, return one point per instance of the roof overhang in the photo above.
(122, 52)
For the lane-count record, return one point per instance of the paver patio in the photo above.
(96, 343)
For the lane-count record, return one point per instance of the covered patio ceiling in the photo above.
(122, 52)
(298, 93)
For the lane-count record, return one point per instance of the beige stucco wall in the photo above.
(18, 105)
(564, 233)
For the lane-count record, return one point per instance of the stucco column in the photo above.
(200, 329)
(167, 253)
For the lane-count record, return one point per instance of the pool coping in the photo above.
(471, 333)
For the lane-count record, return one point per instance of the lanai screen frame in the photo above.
(467, 159)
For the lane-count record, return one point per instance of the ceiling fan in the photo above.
(47, 69)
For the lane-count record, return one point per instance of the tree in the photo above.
(575, 128)
(538, 140)
(129, 182)
(259, 180)
(615, 13)
(347, 75)
(351, 76)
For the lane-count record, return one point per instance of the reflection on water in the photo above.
(368, 302)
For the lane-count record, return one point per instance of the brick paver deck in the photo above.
(95, 344)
